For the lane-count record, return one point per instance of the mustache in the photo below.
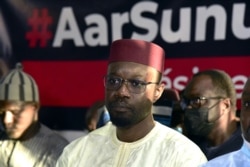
(10, 127)
(119, 103)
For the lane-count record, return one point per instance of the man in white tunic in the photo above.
(24, 140)
(240, 157)
(133, 138)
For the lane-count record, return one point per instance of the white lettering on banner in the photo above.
(117, 24)
(96, 34)
(183, 34)
(149, 24)
(203, 14)
(180, 81)
(238, 27)
(67, 18)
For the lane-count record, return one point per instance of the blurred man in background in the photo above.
(24, 141)
(210, 120)
(240, 157)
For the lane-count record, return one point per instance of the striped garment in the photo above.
(42, 150)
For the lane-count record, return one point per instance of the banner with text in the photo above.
(64, 44)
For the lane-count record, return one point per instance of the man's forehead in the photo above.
(121, 64)
(130, 68)
(200, 83)
(12, 104)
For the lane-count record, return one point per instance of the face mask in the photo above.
(196, 122)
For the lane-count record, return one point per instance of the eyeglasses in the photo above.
(14, 112)
(133, 85)
(18, 109)
(197, 102)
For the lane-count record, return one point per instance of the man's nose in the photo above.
(123, 89)
(8, 117)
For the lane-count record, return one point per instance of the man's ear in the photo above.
(158, 92)
(227, 103)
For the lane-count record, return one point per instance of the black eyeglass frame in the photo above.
(140, 85)
(191, 101)
(21, 107)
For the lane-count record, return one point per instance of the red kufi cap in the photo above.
(138, 51)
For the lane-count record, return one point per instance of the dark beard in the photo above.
(133, 114)
(121, 119)
(121, 122)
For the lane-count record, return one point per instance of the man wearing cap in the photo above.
(134, 138)
(24, 142)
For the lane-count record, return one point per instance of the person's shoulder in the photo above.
(104, 130)
(176, 139)
(224, 160)
(99, 133)
(76, 142)
(176, 144)
(49, 135)
(170, 133)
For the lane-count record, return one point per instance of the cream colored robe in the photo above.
(163, 146)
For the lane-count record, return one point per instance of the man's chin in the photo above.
(13, 135)
(120, 123)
